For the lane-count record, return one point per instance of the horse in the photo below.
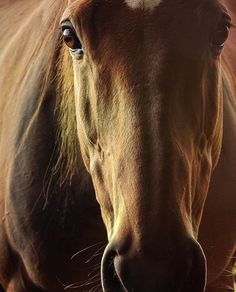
(131, 104)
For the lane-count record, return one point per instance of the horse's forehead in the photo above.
(133, 4)
(144, 4)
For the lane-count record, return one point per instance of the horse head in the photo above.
(148, 101)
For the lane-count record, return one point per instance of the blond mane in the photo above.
(36, 63)
(69, 155)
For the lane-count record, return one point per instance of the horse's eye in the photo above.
(71, 39)
(221, 36)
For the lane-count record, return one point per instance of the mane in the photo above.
(69, 155)
(60, 75)
(35, 57)
(68, 161)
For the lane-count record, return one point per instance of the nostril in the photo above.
(111, 269)
(110, 279)
(183, 272)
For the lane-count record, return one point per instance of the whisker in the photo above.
(60, 282)
(94, 270)
(96, 288)
(93, 277)
(79, 285)
(72, 286)
(85, 249)
(93, 256)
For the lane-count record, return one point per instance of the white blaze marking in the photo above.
(145, 4)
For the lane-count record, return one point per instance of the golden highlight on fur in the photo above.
(65, 110)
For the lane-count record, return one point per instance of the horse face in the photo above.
(149, 119)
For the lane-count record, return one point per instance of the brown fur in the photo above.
(47, 199)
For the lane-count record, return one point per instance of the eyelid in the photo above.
(229, 24)
(66, 24)
(227, 20)
(66, 17)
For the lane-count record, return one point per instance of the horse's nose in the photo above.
(182, 271)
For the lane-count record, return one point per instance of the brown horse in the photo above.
(148, 87)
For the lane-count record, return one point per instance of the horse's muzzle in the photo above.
(183, 271)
